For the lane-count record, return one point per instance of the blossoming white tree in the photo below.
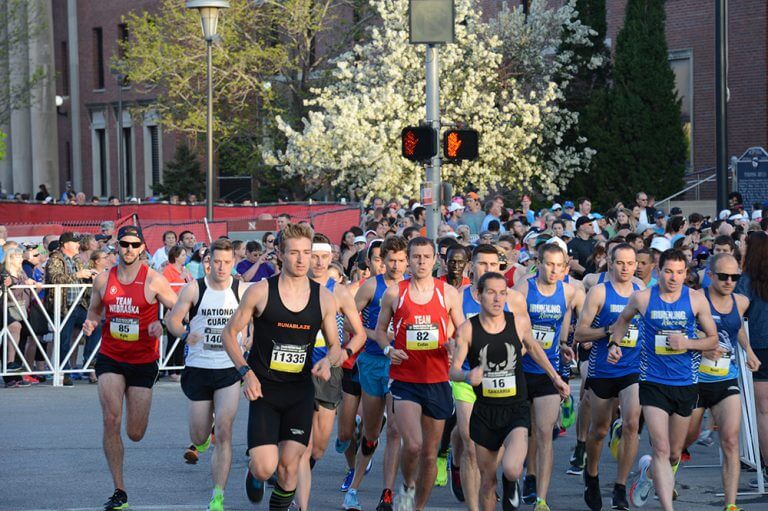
(497, 78)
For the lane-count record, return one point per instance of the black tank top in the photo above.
(502, 362)
(283, 340)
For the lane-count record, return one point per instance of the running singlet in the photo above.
(421, 330)
(283, 340)
(658, 362)
(209, 316)
(127, 317)
(629, 363)
(464, 280)
(547, 313)
(500, 357)
(321, 349)
(371, 316)
(728, 326)
(469, 309)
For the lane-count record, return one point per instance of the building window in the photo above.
(64, 69)
(98, 58)
(154, 159)
(101, 152)
(682, 66)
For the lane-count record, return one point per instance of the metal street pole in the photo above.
(433, 120)
(721, 101)
(209, 173)
(120, 171)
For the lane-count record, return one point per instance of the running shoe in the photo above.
(455, 480)
(441, 479)
(17, 384)
(351, 502)
(14, 367)
(529, 489)
(254, 488)
(641, 488)
(619, 500)
(511, 497)
(118, 501)
(347, 479)
(369, 466)
(685, 456)
(732, 507)
(342, 446)
(541, 505)
(217, 503)
(385, 502)
(615, 438)
(30, 379)
(578, 460)
(592, 496)
(406, 497)
(566, 409)
(191, 455)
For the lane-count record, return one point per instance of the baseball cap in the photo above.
(661, 244)
(556, 206)
(130, 230)
(757, 215)
(473, 195)
(360, 239)
(566, 216)
(102, 237)
(675, 211)
(369, 232)
(708, 237)
(415, 205)
(582, 220)
(724, 214)
(568, 234)
(68, 236)
(53, 245)
(641, 228)
(455, 207)
(597, 216)
(568, 204)
(560, 243)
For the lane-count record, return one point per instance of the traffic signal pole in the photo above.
(433, 120)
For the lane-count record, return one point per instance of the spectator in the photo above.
(493, 212)
(87, 245)
(645, 213)
(455, 211)
(239, 248)
(160, 257)
(65, 195)
(107, 228)
(347, 246)
(283, 219)
(95, 201)
(15, 312)
(660, 227)
(188, 241)
(42, 194)
(256, 265)
(582, 246)
(527, 212)
(194, 264)
(473, 216)
(113, 201)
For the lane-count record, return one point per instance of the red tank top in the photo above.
(421, 330)
(464, 280)
(128, 315)
(350, 362)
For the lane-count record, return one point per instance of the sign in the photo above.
(460, 145)
(419, 143)
(752, 176)
(431, 21)
(427, 197)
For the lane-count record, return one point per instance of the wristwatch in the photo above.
(349, 351)
(386, 350)
(243, 370)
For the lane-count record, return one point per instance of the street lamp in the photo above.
(209, 17)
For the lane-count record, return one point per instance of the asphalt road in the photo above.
(51, 459)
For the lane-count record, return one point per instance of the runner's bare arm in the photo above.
(96, 307)
(363, 297)
(453, 304)
(174, 320)
(584, 330)
(388, 302)
(348, 308)
(753, 363)
(162, 290)
(700, 307)
(251, 304)
(517, 306)
(463, 340)
(334, 357)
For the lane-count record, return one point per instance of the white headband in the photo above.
(321, 247)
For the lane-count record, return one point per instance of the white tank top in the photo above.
(213, 311)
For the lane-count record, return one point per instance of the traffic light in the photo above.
(460, 145)
(419, 143)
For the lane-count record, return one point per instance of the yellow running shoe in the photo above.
(615, 438)
(442, 471)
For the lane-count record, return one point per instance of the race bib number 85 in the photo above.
(124, 329)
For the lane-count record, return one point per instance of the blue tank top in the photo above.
(471, 308)
(601, 277)
(728, 326)
(599, 367)
(371, 315)
(321, 348)
(658, 362)
(546, 313)
(705, 280)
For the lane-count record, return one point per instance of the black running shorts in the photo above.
(711, 393)
(609, 388)
(673, 400)
(350, 382)
(136, 375)
(199, 384)
(489, 425)
(283, 413)
(539, 385)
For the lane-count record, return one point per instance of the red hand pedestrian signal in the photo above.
(419, 143)
(460, 144)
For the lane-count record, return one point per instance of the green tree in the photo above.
(2, 145)
(182, 175)
(644, 145)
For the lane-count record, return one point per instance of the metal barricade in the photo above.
(56, 320)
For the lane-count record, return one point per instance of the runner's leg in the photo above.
(659, 426)
(225, 403)
(727, 414)
(111, 392)
(601, 410)
(546, 409)
(431, 431)
(470, 474)
(629, 401)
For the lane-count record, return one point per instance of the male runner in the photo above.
(210, 380)
(485, 258)
(501, 412)
(373, 370)
(669, 364)
(645, 267)
(126, 364)
(549, 301)
(608, 382)
(327, 393)
(287, 311)
(421, 310)
(718, 372)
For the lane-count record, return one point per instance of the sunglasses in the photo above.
(270, 241)
(725, 276)
(132, 244)
(35, 255)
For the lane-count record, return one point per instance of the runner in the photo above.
(608, 382)
(669, 364)
(645, 267)
(287, 311)
(718, 373)
(421, 310)
(126, 365)
(327, 393)
(210, 380)
(373, 367)
(549, 301)
(501, 413)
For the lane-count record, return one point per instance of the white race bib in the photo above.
(288, 358)
(124, 329)
(719, 367)
(544, 335)
(499, 385)
(422, 337)
(212, 339)
(630, 340)
(662, 343)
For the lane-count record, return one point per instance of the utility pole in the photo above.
(721, 101)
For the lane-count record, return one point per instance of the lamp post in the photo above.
(122, 182)
(209, 17)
